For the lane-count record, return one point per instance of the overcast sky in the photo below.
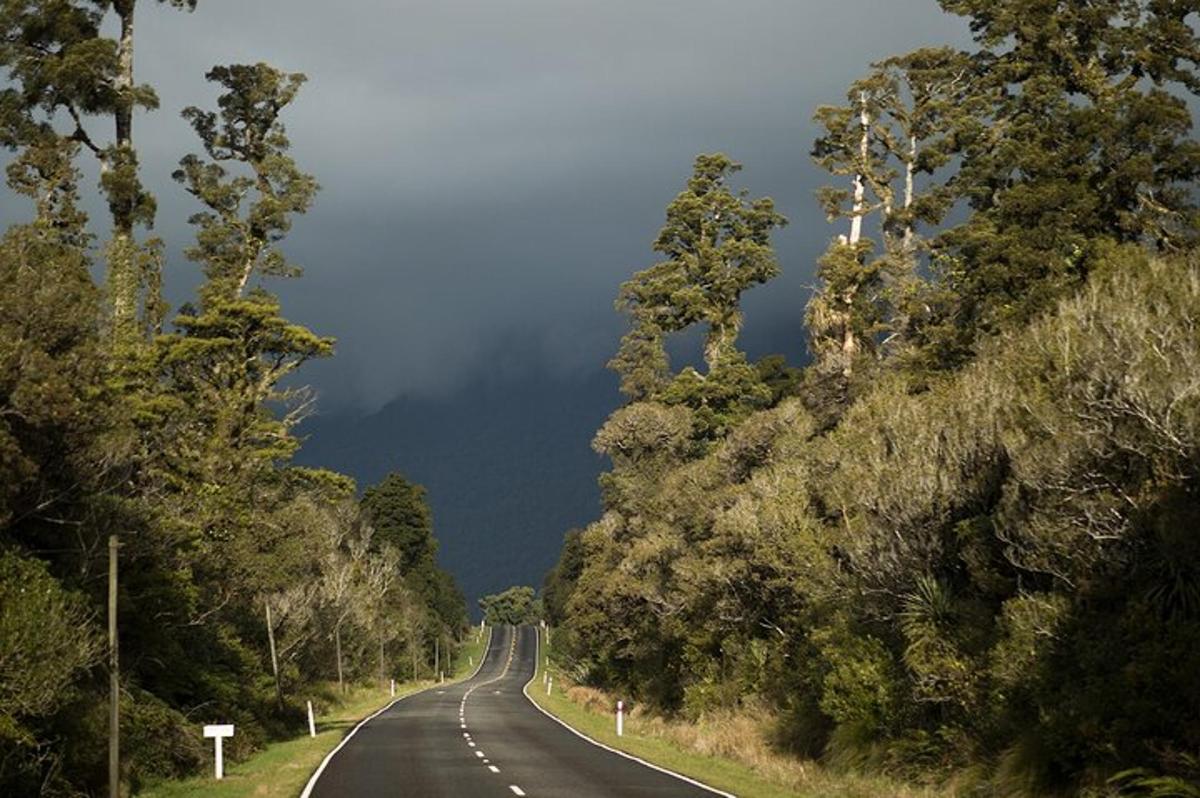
(493, 169)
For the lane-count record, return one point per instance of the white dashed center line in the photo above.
(479, 754)
(493, 768)
(516, 790)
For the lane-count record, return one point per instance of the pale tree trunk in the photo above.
(720, 341)
(850, 345)
(382, 674)
(860, 180)
(909, 169)
(337, 644)
(122, 273)
(274, 655)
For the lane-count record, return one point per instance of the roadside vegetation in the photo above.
(283, 768)
(163, 438)
(728, 751)
(959, 547)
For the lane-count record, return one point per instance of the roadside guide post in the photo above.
(219, 732)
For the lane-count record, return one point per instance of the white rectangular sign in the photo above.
(219, 730)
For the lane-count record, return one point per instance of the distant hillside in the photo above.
(507, 462)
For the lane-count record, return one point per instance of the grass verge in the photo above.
(727, 753)
(282, 769)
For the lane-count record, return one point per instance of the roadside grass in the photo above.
(729, 752)
(283, 768)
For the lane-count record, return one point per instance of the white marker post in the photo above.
(219, 732)
(471, 661)
(620, 718)
(549, 684)
(312, 722)
(393, 688)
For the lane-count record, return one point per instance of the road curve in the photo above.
(483, 737)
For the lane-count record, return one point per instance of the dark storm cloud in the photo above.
(493, 169)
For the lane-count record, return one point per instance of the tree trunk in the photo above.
(437, 655)
(909, 169)
(850, 345)
(860, 182)
(382, 673)
(337, 644)
(274, 656)
(122, 276)
(722, 336)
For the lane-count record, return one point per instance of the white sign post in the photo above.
(549, 684)
(219, 732)
(312, 722)
(620, 718)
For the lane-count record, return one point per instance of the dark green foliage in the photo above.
(399, 513)
(560, 581)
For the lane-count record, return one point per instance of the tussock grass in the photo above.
(729, 750)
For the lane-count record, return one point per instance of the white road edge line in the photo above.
(577, 733)
(312, 782)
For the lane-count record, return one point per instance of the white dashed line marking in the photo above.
(493, 768)
(479, 754)
(516, 790)
(470, 743)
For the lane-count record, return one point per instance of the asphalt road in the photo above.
(483, 738)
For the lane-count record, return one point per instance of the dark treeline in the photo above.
(961, 545)
(244, 581)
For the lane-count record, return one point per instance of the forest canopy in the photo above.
(165, 438)
(959, 545)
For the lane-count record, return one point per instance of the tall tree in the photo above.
(894, 139)
(234, 350)
(61, 63)
(717, 245)
(1086, 146)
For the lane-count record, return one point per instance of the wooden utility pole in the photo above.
(274, 656)
(114, 683)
